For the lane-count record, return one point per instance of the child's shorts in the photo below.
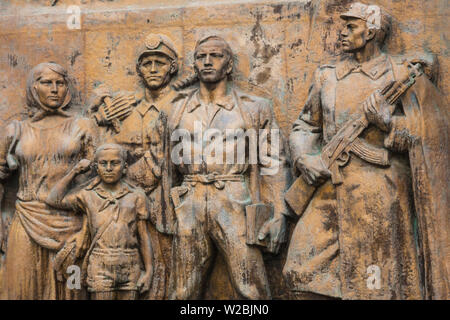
(113, 269)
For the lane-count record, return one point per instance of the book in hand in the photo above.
(256, 215)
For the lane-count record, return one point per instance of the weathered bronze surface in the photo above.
(154, 150)
(361, 117)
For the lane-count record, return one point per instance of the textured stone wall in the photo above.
(278, 45)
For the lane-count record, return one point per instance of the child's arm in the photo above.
(147, 255)
(59, 190)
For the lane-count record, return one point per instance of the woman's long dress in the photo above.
(37, 231)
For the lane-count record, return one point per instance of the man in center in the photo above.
(212, 202)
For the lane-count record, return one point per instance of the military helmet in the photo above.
(158, 43)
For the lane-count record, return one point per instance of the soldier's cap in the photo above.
(369, 13)
(158, 43)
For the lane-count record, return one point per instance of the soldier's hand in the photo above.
(313, 170)
(378, 111)
(276, 230)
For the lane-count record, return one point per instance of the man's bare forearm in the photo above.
(145, 245)
(60, 189)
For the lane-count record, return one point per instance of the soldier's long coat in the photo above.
(359, 240)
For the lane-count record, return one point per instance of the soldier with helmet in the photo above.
(130, 116)
(137, 122)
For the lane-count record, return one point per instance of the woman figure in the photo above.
(42, 241)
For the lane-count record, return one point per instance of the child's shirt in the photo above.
(115, 216)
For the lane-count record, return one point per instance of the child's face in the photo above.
(110, 166)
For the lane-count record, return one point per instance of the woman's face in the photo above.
(51, 89)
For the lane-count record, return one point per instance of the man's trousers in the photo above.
(212, 216)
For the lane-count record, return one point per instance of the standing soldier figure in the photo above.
(356, 239)
(137, 123)
(220, 197)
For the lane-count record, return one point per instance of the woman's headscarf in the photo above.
(37, 108)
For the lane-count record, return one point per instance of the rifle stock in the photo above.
(299, 195)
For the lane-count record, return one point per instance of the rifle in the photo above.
(336, 153)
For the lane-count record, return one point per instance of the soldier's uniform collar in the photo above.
(373, 68)
(228, 102)
(167, 96)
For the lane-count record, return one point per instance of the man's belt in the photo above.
(217, 179)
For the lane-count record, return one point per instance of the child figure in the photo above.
(117, 214)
